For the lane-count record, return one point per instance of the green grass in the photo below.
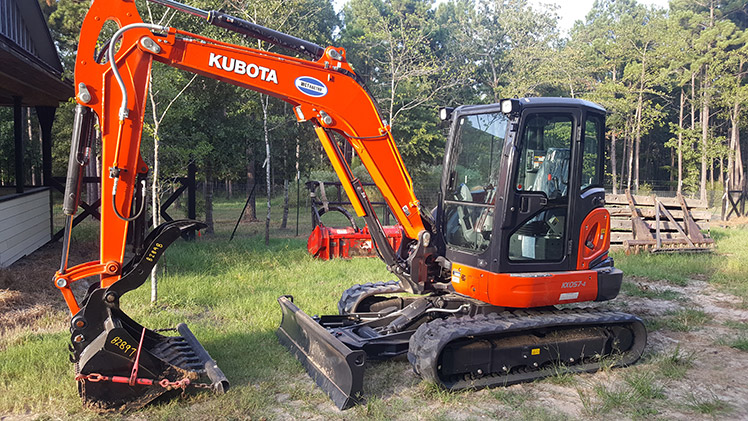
(681, 320)
(676, 269)
(510, 398)
(731, 274)
(522, 406)
(636, 290)
(675, 365)
(739, 342)
(742, 326)
(561, 376)
(710, 405)
(636, 396)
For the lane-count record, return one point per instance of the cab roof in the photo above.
(558, 101)
(534, 102)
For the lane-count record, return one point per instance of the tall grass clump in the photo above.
(673, 268)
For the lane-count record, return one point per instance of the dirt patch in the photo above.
(715, 380)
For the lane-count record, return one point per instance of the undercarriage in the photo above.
(456, 341)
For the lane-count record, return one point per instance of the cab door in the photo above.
(537, 233)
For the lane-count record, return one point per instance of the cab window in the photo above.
(471, 197)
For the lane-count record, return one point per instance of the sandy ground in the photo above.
(714, 385)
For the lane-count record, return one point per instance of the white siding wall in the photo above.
(24, 226)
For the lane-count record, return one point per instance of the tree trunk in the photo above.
(672, 166)
(631, 162)
(680, 142)
(704, 139)
(693, 101)
(265, 100)
(155, 206)
(624, 153)
(250, 215)
(613, 166)
(284, 222)
(639, 111)
(705, 95)
(739, 171)
(208, 192)
(734, 160)
(613, 161)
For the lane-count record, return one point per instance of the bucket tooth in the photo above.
(337, 370)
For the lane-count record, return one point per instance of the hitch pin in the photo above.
(134, 374)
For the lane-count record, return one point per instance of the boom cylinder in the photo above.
(79, 148)
(241, 26)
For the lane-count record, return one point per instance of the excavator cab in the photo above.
(520, 185)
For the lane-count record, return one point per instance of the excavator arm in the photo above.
(112, 88)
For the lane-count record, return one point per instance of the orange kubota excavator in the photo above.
(519, 227)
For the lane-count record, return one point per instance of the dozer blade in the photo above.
(119, 364)
(337, 370)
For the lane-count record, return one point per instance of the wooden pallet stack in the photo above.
(658, 224)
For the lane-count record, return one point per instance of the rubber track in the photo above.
(355, 294)
(429, 340)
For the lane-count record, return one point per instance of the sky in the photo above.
(569, 11)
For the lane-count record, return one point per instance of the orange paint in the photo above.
(595, 232)
(525, 290)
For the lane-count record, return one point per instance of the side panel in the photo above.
(525, 290)
(594, 237)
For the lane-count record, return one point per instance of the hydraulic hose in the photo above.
(123, 112)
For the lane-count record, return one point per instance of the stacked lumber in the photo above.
(658, 223)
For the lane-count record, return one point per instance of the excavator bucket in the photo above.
(337, 369)
(120, 365)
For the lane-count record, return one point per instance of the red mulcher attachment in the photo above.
(327, 243)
